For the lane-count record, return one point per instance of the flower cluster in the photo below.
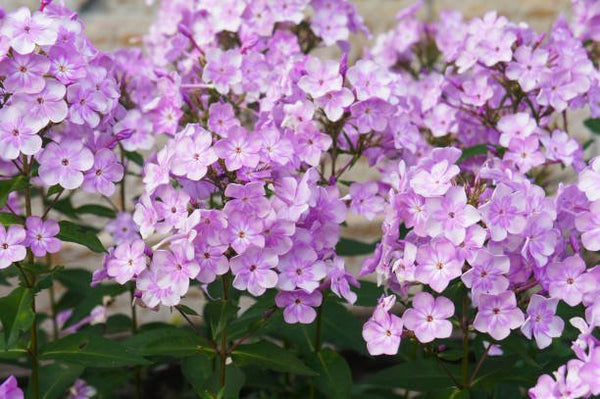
(479, 123)
(238, 190)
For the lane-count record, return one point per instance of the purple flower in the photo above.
(436, 181)
(321, 77)
(65, 163)
(369, 79)
(11, 245)
(515, 126)
(311, 143)
(238, 149)
(104, 173)
(128, 260)
(528, 68)
(568, 384)
(371, 115)
(211, 260)
(569, 281)
(25, 73)
(438, 264)
(84, 105)
(223, 69)
(341, 281)
(589, 224)
(66, 66)
(80, 390)
(541, 321)
(441, 120)
(193, 154)
(46, 106)
(487, 275)
(10, 390)
(427, 317)
(589, 180)
(383, 332)
(18, 133)
(154, 294)
(590, 373)
(123, 228)
(498, 314)
(404, 268)
(245, 230)
(26, 31)
(450, 216)
(175, 269)
(504, 213)
(524, 153)
(253, 270)
(299, 305)
(221, 118)
(365, 201)
(335, 102)
(300, 268)
(540, 239)
(41, 236)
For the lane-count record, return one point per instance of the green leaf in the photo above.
(350, 247)
(198, 371)
(469, 152)
(54, 189)
(91, 350)
(334, 379)
(97, 210)
(420, 375)
(64, 206)
(78, 234)
(368, 293)
(8, 218)
(8, 186)
(593, 125)
(93, 297)
(341, 327)
(218, 314)
(270, 356)
(55, 379)
(16, 314)
(169, 341)
(135, 157)
(187, 310)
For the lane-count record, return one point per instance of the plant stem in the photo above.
(52, 301)
(223, 350)
(318, 330)
(480, 363)
(465, 342)
(33, 344)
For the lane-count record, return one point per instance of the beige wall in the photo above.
(112, 23)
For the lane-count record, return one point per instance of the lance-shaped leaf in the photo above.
(16, 314)
(82, 235)
(270, 356)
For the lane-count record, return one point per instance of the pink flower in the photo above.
(18, 133)
(335, 102)
(498, 314)
(450, 216)
(438, 264)
(11, 245)
(436, 181)
(299, 305)
(524, 153)
(10, 390)
(41, 236)
(238, 149)
(25, 73)
(383, 332)
(569, 281)
(321, 77)
(223, 69)
(504, 213)
(427, 317)
(371, 115)
(590, 372)
(46, 106)
(300, 268)
(128, 260)
(441, 120)
(84, 105)
(221, 118)
(193, 154)
(253, 270)
(515, 126)
(311, 143)
(211, 260)
(568, 383)
(528, 68)
(365, 199)
(245, 230)
(487, 275)
(404, 268)
(589, 180)
(541, 321)
(540, 239)
(104, 173)
(369, 79)
(26, 31)
(65, 163)
(589, 224)
(175, 269)
(341, 281)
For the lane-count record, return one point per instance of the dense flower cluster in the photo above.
(57, 115)
(480, 117)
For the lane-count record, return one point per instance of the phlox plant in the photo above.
(218, 157)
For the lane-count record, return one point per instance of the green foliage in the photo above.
(56, 378)
(270, 356)
(10, 185)
(593, 124)
(79, 234)
(350, 247)
(334, 379)
(17, 314)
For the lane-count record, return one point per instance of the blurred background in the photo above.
(114, 23)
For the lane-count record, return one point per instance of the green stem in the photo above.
(33, 344)
(52, 301)
(318, 330)
(223, 349)
(465, 343)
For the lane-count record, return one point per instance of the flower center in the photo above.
(65, 162)
(429, 318)
(496, 310)
(4, 245)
